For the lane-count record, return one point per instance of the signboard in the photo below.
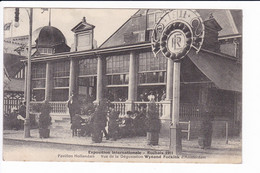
(176, 32)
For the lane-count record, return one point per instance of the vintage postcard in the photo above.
(122, 85)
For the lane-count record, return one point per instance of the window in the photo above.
(148, 62)
(45, 50)
(117, 69)
(61, 69)
(88, 66)
(152, 77)
(87, 79)
(87, 87)
(152, 18)
(119, 79)
(60, 95)
(38, 75)
(151, 69)
(61, 72)
(38, 81)
(39, 95)
(118, 64)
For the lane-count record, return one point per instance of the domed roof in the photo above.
(48, 36)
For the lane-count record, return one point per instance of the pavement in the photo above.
(220, 152)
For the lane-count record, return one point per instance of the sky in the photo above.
(107, 21)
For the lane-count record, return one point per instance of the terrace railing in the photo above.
(58, 108)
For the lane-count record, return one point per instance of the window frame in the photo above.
(66, 75)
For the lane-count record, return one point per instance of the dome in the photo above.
(48, 36)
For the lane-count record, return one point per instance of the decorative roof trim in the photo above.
(98, 51)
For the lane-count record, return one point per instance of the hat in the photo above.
(129, 112)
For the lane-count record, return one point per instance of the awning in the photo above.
(225, 73)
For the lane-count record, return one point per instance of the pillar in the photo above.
(132, 85)
(167, 103)
(175, 131)
(48, 81)
(72, 81)
(100, 94)
(169, 79)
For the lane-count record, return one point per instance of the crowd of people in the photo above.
(15, 119)
(151, 95)
(131, 124)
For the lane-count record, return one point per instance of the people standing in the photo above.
(22, 113)
(113, 125)
(99, 121)
(22, 109)
(73, 106)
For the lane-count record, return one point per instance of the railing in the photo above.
(121, 107)
(189, 110)
(159, 106)
(12, 100)
(186, 110)
(57, 108)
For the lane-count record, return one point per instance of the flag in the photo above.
(44, 9)
(7, 26)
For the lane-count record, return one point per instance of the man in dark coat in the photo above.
(113, 123)
(73, 106)
(22, 109)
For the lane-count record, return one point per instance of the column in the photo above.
(167, 103)
(169, 79)
(48, 81)
(175, 131)
(72, 79)
(132, 85)
(99, 80)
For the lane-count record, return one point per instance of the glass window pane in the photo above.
(39, 95)
(60, 95)
(142, 78)
(38, 83)
(117, 64)
(87, 66)
(152, 77)
(61, 69)
(61, 82)
(116, 80)
(38, 71)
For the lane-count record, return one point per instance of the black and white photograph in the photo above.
(122, 84)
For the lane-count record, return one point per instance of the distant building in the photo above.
(14, 74)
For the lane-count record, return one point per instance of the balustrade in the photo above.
(186, 110)
(57, 108)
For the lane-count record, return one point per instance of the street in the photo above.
(43, 151)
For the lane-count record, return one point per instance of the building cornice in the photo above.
(98, 51)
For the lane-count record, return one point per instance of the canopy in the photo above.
(224, 72)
